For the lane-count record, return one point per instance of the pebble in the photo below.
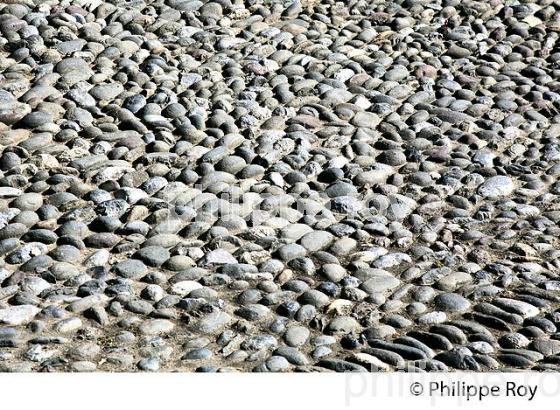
(130, 269)
(451, 302)
(296, 336)
(68, 325)
(18, 315)
(496, 187)
(150, 364)
(212, 322)
(156, 327)
(217, 257)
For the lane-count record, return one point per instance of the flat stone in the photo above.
(497, 187)
(546, 347)
(296, 336)
(212, 323)
(156, 327)
(517, 306)
(343, 325)
(316, 240)
(183, 288)
(74, 70)
(217, 257)
(380, 283)
(18, 315)
(451, 302)
(131, 268)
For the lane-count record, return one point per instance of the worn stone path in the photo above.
(271, 185)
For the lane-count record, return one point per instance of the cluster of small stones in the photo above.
(267, 185)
